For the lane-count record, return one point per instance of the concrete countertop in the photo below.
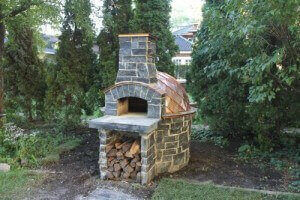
(137, 123)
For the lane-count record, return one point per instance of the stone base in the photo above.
(165, 149)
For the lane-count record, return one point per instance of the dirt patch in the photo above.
(209, 162)
(77, 173)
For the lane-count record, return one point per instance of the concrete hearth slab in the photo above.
(130, 123)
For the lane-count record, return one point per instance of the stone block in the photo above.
(175, 132)
(131, 90)
(121, 79)
(142, 45)
(110, 112)
(142, 72)
(125, 48)
(184, 145)
(135, 39)
(152, 70)
(159, 137)
(172, 138)
(127, 73)
(125, 90)
(122, 65)
(172, 145)
(135, 59)
(121, 93)
(115, 93)
(144, 91)
(131, 66)
(109, 97)
(156, 101)
(169, 152)
(178, 119)
(179, 158)
(150, 94)
(167, 158)
(160, 145)
(163, 167)
(4, 167)
(151, 140)
(154, 111)
(124, 39)
(183, 137)
(144, 143)
(111, 106)
(176, 126)
(139, 79)
(164, 127)
(158, 155)
(144, 177)
(135, 45)
(139, 52)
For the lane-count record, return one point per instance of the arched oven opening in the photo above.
(132, 106)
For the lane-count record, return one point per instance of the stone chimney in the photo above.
(137, 58)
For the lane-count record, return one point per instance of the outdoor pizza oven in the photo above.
(147, 122)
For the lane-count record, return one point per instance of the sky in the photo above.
(191, 9)
(183, 13)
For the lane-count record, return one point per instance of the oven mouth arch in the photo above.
(132, 106)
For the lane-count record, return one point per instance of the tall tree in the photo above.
(73, 76)
(34, 10)
(25, 78)
(117, 14)
(153, 16)
(245, 72)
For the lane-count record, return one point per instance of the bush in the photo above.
(245, 69)
(30, 149)
(203, 135)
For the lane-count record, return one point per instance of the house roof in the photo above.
(183, 44)
(186, 30)
(50, 38)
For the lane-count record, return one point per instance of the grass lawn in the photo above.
(16, 182)
(178, 189)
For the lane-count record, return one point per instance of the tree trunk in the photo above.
(2, 38)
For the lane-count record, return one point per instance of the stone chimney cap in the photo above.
(138, 35)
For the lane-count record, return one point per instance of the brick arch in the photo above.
(155, 100)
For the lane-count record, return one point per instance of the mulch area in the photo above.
(77, 173)
(209, 162)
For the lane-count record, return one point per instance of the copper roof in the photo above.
(176, 98)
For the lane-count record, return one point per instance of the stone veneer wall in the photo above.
(172, 142)
(137, 58)
(154, 99)
(163, 150)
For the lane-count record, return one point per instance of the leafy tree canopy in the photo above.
(116, 15)
(245, 72)
(153, 16)
(71, 79)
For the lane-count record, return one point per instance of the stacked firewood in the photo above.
(123, 160)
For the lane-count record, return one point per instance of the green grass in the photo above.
(15, 183)
(177, 189)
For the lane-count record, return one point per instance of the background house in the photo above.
(184, 39)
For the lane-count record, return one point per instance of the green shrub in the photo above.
(245, 71)
(209, 136)
(33, 148)
(284, 156)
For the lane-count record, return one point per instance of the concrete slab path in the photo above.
(107, 194)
